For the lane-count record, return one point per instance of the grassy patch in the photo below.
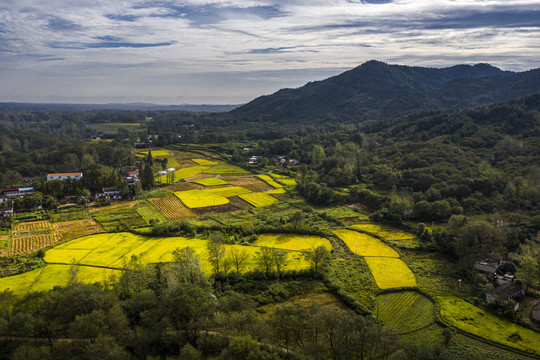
(228, 191)
(211, 182)
(119, 219)
(205, 162)
(148, 212)
(473, 320)
(172, 163)
(69, 213)
(365, 245)
(223, 168)
(259, 199)
(387, 232)
(405, 311)
(292, 242)
(390, 273)
(269, 181)
(197, 198)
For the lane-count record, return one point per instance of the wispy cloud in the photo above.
(195, 48)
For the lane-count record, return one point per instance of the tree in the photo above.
(239, 258)
(280, 258)
(216, 251)
(297, 220)
(317, 257)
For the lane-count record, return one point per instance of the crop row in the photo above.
(173, 209)
(31, 226)
(31, 243)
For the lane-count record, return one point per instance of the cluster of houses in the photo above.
(506, 288)
(280, 159)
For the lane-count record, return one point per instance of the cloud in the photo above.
(58, 24)
(107, 44)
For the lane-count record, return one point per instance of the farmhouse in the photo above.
(508, 291)
(64, 176)
(132, 177)
(489, 265)
(110, 192)
(18, 192)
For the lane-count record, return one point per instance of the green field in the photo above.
(228, 191)
(113, 220)
(292, 242)
(259, 199)
(405, 311)
(387, 232)
(205, 162)
(211, 182)
(473, 320)
(197, 198)
(390, 273)
(269, 181)
(148, 212)
(365, 245)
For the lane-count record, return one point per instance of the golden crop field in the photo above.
(197, 198)
(205, 162)
(30, 243)
(72, 229)
(211, 182)
(223, 168)
(156, 153)
(172, 163)
(173, 209)
(476, 321)
(181, 174)
(31, 226)
(365, 245)
(282, 179)
(228, 191)
(292, 241)
(390, 273)
(387, 232)
(269, 181)
(259, 199)
(276, 191)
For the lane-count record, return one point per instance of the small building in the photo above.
(65, 176)
(254, 159)
(18, 192)
(109, 192)
(132, 177)
(505, 292)
(294, 162)
(489, 265)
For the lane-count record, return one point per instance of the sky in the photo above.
(230, 52)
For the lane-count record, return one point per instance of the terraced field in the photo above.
(269, 181)
(224, 169)
(67, 230)
(205, 162)
(292, 241)
(473, 320)
(32, 226)
(182, 173)
(228, 191)
(198, 198)
(365, 245)
(259, 199)
(387, 232)
(211, 182)
(390, 273)
(284, 180)
(405, 311)
(30, 243)
(173, 209)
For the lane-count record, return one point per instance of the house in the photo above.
(109, 192)
(489, 265)
(132, 177)
(505, 292)
(18, 192)
(254, 159)
(294, 162)
(64, 176)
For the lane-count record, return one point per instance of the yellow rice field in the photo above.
(259, 199)
(276, 191)
(205, 162)
(365, 245)
(228, 191)
(269, 181)
(197, 198)
(292, 241)
(282, 179)
(31, 226)
(387, 232)
(390, 273)
(211, 182)
(181, 173)
(156, 153)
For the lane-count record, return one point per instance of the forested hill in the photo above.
(377, 90)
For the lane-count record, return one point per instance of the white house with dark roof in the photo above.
(64, 176)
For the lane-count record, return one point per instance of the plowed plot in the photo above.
(365, 245)
(249, 182)
(405, 311)
(30, 243)
(216, 209)
(183, 186)
(31, 226)
(173, 209)
(67, 230)
(390, 273)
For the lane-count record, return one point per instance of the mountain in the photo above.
(14, 106)
(376, 90)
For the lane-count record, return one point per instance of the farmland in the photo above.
(173, 209)
(179, 174)
(33, 226)
(149, 213)
(259, 199)
(224, 169)
(292, 242)
(211, 182)
(387, 232)
(365, 245)
(390, 273)
(473, 320)
(228, 191)
(112, 220)
(406, 311)
(197, 198)
(269, 181)
(284, 180)
(30, 243)
(67, 230)
(205, 162)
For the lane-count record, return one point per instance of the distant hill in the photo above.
(378, 90)
(14, 106)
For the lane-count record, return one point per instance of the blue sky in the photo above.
(229, 52)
